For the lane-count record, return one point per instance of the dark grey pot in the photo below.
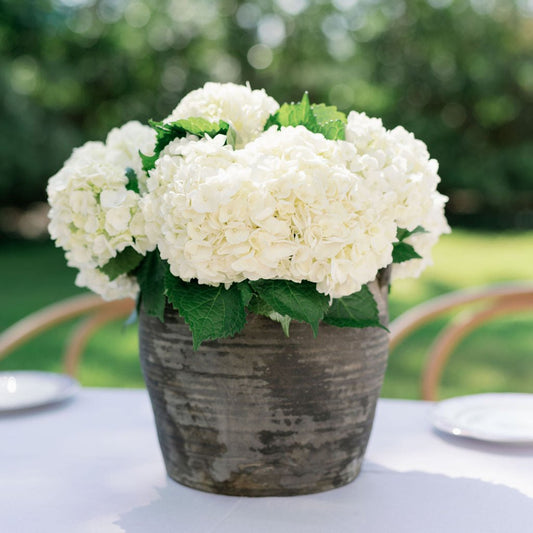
(261, 414)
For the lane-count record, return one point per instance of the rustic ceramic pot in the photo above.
(261, 414)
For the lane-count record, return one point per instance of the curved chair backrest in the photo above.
(98, 312)
(494, 301)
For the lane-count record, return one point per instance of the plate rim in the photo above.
(449, 427)
(71, 387)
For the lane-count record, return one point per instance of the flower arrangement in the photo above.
(235, 204)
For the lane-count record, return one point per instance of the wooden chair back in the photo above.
(97, 313)
(491, 302)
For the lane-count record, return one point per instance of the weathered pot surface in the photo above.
(261, 414)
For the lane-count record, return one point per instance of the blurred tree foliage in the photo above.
(458, 73)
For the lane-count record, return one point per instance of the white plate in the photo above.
(505, 418)
(27, 389)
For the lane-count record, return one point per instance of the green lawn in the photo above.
(497, 357)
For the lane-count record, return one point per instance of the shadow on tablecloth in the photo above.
(378, 501)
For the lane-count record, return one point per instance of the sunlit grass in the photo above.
(497, 357)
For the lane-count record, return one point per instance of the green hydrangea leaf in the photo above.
(123, 263)
(299, 114)
(151, 278)
(320, 118)
(148, 161)
(166, 132)
(402, 233)
(210, 312)
(334, 130)
(330, 122)
(133, 181)
(246, 292)
(327, 113)
(401, 252)
(358, 310)
(300, 301)
(259, 307)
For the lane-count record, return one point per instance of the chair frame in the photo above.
(496, 301)
(99, 312)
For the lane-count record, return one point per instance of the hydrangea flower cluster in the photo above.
(287, 206)
(231, 188)
(93, 215)
(399, 169)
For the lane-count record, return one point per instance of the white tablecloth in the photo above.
(94, 465)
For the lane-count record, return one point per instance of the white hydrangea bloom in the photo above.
(93, 215)
(124, 144)
(285, 206)
(245, 110)
(434, 222)
(122, 287)
(398, 165)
